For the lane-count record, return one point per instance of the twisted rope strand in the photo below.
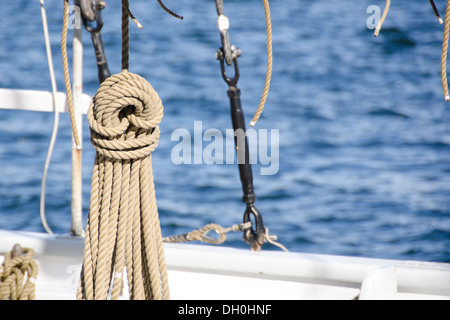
(125, 37)
(149, 238)
(383, 17)
(67, 75)
(269, 64)
(119, 258)
(445, 52)
(123, 224)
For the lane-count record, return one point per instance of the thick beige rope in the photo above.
(67, 75)
(123, 229)
(18, 275)
(123, 223)
(383, 17)
(269, 64)
(445, 52)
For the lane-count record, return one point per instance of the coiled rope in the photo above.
(445, 41)
(18, 275)
(123, 229)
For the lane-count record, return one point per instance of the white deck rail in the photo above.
(35, 100)
(211, 272)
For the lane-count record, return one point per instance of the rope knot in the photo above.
(124, 116)
(18, 274)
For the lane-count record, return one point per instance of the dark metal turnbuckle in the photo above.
(228, 54)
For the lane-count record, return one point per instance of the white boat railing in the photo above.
(36, 100)
(199, 272)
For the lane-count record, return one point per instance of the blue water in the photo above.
(364, 133)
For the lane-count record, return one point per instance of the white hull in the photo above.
(198, 272)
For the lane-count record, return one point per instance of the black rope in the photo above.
(169, 11)
(436, 12)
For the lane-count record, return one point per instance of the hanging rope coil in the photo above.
(18, 275)
(125, 102)
(123, 229)
(123, 223)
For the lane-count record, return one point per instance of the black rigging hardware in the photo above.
(228, 54)
(93, 22)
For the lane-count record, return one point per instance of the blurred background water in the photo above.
(364, 132)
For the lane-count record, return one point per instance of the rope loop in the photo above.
(123, 229)
(203, 234)
(445, 53)
(124, 117)
(123, 226)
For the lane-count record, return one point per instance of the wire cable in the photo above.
(56, 119)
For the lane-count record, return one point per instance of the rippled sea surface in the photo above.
(364, 148)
